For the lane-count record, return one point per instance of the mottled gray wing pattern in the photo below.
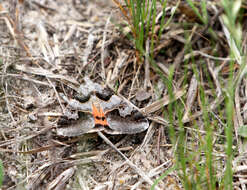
(71, 128)
(113, 103)
(121, 117)
(75, 104)
(127, 125)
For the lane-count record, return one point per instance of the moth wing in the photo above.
(127, 125)
(75, 104)
(111, 104)
(76, 127)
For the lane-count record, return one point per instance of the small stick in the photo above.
(131, 164)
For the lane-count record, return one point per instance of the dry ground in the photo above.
(48, 46)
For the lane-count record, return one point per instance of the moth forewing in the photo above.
(127, 125)
(75, 104)
(113, 103)
(83, 125)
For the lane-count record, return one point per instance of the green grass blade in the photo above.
(1, 173)
(162, 18)
(163, 24)
(204, 11)
(196, 11)
(153, 26)
(163, 176)
(228, 180)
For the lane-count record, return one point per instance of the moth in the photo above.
(99, 109)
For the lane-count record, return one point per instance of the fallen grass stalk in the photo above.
(131, 164)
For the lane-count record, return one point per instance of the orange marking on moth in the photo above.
(99, 116)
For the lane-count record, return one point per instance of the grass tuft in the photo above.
(196, 162)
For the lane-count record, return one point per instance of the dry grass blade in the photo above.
(11, 29)
(36, 178)
(27, 78)
(44, 72)
(148, 136)
(56, 51)
(7, 102)
(70, 33)
(230, 41)
(214, 72)
(88, 49)
(103, 49)
(147, 82)
(61, 180)
(155, 106)
(44, 44)
(191, 95)
(121, 61)
(135, 79)
(131, 164)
